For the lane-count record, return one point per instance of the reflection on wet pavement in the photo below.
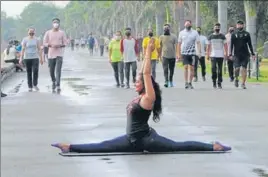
(80, 89)
(260, 172)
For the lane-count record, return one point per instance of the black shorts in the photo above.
(241, 61)
(189, 59)
(83, 45)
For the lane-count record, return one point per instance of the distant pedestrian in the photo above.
(56, 40)
(188, 41)
(240, 45)
(230, 62)
(168, 43)
(31, 54)
(101, 44)
(115, 58)
(130, 52)
(201, 60)
(155, 53)
(91, 44)
(217, 51)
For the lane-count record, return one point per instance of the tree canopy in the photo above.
(82, 17)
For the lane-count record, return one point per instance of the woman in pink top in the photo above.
(56, 40)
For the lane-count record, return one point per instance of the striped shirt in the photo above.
(217, 42)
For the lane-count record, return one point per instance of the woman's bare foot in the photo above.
(65, 148)
(219, 147)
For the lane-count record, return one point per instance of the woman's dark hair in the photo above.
(157, 109)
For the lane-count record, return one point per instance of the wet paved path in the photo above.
(91, 109)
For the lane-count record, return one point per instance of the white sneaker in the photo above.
(36, 88)
(30, 89)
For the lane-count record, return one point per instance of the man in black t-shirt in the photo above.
(240, 42)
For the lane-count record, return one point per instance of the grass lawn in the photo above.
(263, 71)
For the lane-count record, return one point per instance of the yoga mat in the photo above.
(75, 154)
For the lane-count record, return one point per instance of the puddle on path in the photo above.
(260, 172)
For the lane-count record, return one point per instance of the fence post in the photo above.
(257, 66)
(249, 69)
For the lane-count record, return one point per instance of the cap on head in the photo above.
(240, 22)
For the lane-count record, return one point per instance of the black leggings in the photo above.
(152, 143)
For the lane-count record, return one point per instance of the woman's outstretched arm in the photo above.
(149, 96)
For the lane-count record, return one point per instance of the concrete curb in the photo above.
(7, 71)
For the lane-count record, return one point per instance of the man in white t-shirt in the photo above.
(217, 50)
(188, 38)
(130, 52)
(201, 60)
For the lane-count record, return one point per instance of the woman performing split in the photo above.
(140, 137)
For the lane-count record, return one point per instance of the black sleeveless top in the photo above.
(137, 120)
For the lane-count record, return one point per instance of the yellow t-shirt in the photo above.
(114, 46)
(145, 42)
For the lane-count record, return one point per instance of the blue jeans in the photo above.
(152, 143)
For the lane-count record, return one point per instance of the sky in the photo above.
(14, 8)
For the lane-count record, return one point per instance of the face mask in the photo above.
(31, 34)
(117, 38)
(56, 25)
(240, 29)
(166, 32)
(217, 30)
(199, 32)
(231, 31)
(151, 34)
(127, 33)
(188, 27)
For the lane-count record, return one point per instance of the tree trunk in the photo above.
(181, 15)
(197, 14)
(223, 15)
(251, 18)
(160, 19)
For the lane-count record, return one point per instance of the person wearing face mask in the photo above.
(115, 58)
(130, 51)
(201, 60)
(168, 43)
(31, 53)
(230, 62)
(155, 53)
(188, 41)
(56, 40)
(217, 50)
(240, 45)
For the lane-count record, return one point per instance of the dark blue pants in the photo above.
(152, 143)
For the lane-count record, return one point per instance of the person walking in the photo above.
(201, 60)
(56, 40)
(217, 51)
(240, 45)
(155, 53)
(168, 43)
(130, 52)
(230, 62)
(91, 44)
(188, 39)
(101, 44)
(115, 58)
(31, 54)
